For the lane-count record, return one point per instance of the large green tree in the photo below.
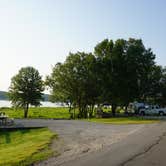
(119, 72)
(142, 62)
(157, 93)
(162, 92)
(75, 82)
(125, 67)
(26, 89)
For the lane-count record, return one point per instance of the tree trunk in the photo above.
(26, 110)
(126, 106)
(74, 114)
(80, 114)
(114, 109)
(70, 111)
(69, 108)
(85, 111)
(91, 111)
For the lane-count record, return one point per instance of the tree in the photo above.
(26, 89)
(155, 85)
(142, 62)
(74, 82)
(112, 59)
(125, 69)
(158, 86)
(163, 87)
(117, 73)
(103, 52)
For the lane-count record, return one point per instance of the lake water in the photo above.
(5, 103)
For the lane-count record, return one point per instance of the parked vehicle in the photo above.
(152, 110)
(135, 107)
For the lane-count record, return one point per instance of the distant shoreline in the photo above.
(7, 103)
(4, 96)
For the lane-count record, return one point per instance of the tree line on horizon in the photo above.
(116, 73)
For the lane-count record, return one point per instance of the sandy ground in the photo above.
(77, 138)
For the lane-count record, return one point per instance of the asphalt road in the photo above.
(146, 147)
(153, 156)
(90, 144)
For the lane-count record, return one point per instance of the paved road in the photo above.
(84, 143)
(152, 156)
(143, 148)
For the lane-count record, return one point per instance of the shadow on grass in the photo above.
(23, 131)
(7, 134)
(7, 137)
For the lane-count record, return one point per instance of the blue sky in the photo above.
(41, 33)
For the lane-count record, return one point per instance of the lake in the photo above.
(5, 103)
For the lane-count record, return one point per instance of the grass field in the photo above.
(39, 112)
(125, 120)
(63, 113)
(24, 147)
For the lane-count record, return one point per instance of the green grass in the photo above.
(63, 113)
(125, 120)
(24, 147)
(39, 112)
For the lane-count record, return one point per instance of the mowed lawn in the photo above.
(63, 113)
(24, 147)
(124, 120)
(39, 112)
